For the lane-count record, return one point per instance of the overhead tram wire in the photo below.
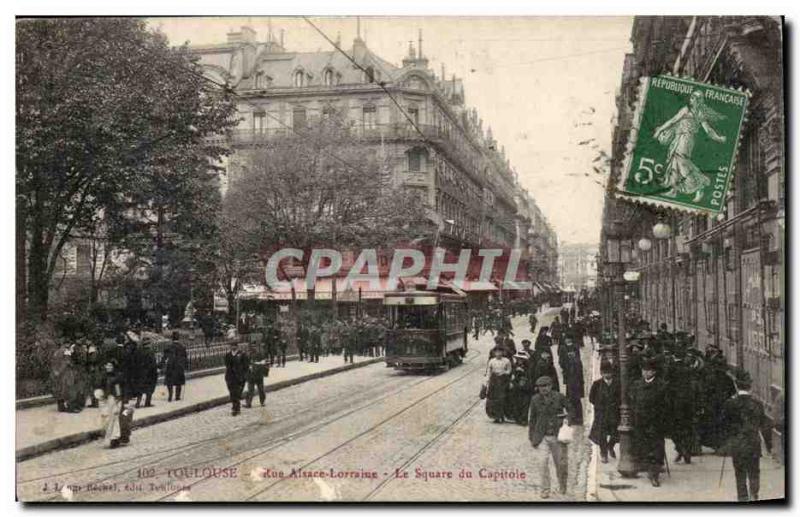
(371, 77)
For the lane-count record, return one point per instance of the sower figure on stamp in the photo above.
(236, 368)
(681, 174)
(604, 395)
(648, 400)
(743, 420)
(547, 412)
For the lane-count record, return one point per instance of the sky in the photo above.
(545, 85)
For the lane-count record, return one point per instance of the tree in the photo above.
(108, 118)
(323, 187)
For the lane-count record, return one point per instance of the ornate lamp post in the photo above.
(618, 254)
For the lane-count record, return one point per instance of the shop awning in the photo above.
(323, 290)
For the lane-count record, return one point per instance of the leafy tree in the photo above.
(323, 187)
(109, 120)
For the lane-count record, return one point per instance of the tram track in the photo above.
(422, 450)
(374, 427)
(188, 448)
(149, 460)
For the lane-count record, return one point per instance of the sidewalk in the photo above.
(697, 482)
(43, 429)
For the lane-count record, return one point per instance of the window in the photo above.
(260, 122)
(328, 112)
(416, 158)
(369, 75)
(299, 79)
(298, 118)
(369, 117)
(327, 77)
(413, 114)
(259, 80)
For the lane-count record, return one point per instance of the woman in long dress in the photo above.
(681, 175)
(499, 375)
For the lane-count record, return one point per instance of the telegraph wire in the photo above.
(370, 76)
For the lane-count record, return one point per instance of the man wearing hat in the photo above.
(683, 392)
(743, 420)
(648, 400)
(526, 348)
(146, 373)
(237, 365)
(173, 362)
(604, 395)
(548, 409)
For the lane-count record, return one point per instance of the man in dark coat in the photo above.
(548, 409)
(743, 420)
(129, 367)
(604, 395)
(543, 341)
(648, 400)
(532, 321)
(579, 331)
(146, 373)
(556, 330)
(236, 368)
(717, 387)
(258, 369)
(173, 362)
(520, 390)
(683, 392)
(542, 365)
(572, 373)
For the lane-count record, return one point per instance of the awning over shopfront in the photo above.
(474, 286)
(323, 290)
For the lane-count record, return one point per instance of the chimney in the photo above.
(444, 77)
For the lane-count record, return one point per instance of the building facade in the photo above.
(578, 266)
(443, 152)
(720, 278)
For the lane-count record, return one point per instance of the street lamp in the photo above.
(663, 231)
(618, 253)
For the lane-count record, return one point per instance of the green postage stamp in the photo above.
(683, 145)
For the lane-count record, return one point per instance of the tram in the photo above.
(427, 330)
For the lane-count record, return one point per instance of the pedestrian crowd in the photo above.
(247, 364)
(675, 391)
(522, 387)
(116, 379)
(680, 392)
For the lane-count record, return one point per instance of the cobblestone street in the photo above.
(366, 429)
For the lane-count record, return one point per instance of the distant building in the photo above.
(578, 266)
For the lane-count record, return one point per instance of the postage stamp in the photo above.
(683, 148)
